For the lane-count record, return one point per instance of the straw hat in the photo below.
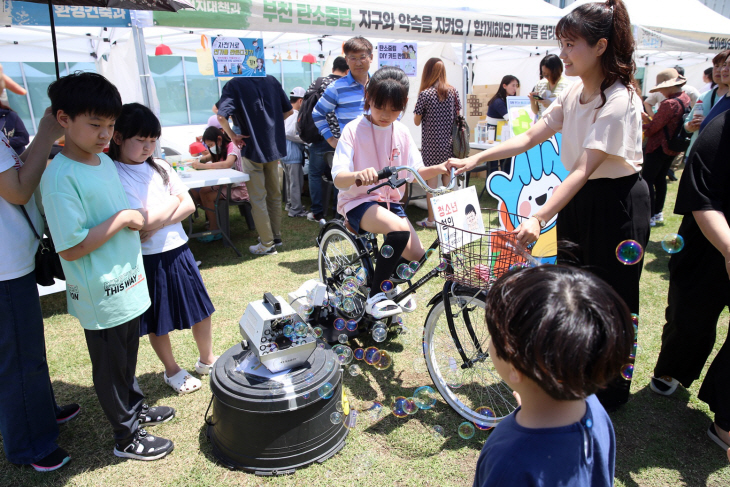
(667, 78)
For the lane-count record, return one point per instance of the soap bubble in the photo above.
(466, 430)
(338, 406)
(424, 397)
(403, 406)
(386, 251)
(414, 265)
(361, 275)
(379, 333)
(354, 370)
(351, 419)
(635, 319)
(519, 265)
(309, 378)
(629, 252)
(329, 365)
(673, 243)
(429, 253)
(326, 390)
(404, 272)
(288, 330)
(320, 345)
(325, 303)
(348, 305)
(349, 286)
(301, 329)
(351, 325)
(344, 354)
(339, 324)
(305, 395)
(372, 355)
(359, 353)
(317, 330)
(484, 425)
(343, 338)
(305, 310)
(336, 417)
(438, 432)
(443, 264)
(632, 355)
(335, 301)
(377, 411)
(384, 362)
(627, 371)
(386, 286)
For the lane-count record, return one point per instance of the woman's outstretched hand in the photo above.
(461, 165)
(528, 231)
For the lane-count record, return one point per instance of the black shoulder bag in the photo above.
(47, 261)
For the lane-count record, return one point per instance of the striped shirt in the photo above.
(345, 97)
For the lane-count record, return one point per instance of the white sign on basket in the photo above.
(458, 218)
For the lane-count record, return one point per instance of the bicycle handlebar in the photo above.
(391, 173)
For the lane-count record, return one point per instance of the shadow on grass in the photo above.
(301, 266)
(648, 423)
(660, 263)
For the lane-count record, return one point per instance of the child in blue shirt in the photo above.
(558, 335)
(96, 233)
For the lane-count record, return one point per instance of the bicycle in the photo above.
(455, 335)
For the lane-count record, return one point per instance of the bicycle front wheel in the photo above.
(468, 381)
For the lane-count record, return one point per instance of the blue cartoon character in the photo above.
(535, 175)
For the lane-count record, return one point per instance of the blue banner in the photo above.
(26, 13)
(238, 57)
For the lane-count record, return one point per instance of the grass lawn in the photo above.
(660, 441)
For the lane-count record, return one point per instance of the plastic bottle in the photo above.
(699, 109)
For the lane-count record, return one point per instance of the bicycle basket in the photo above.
(477, 260)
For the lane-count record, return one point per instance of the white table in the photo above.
(483, 145)
(214, 177)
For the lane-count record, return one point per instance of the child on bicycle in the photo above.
(558, 335)
(368, 144)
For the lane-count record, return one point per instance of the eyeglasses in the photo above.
(362, 58)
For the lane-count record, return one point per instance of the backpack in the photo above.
(679, 142)
(306, 128)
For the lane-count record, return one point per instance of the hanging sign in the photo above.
(26, 13)
(238, 57)
(399, 54)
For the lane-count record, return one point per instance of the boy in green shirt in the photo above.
(96, 235)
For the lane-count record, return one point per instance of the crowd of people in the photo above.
(115, 222)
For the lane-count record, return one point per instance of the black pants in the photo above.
(601, 215)
(113, 355)
(699, 290)
(656, 165)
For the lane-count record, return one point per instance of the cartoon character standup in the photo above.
(535, 175)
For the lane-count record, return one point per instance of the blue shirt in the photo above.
(345, 97)
(578, 455)
(497, 109)
(259, 105)
(720, 106)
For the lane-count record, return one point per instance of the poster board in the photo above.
(455, 212)
(402, 55)
(238, 57)
(520, 114)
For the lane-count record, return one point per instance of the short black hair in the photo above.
(388, 85)
(83, 93)
(470, 209)
(294, 99)
(680, 70)
(357, 44)
(340, 64)
(563, 327)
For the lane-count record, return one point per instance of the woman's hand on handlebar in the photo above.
(366, 177)
(528, 231)
(461, 165)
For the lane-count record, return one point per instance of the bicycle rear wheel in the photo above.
(341, 256)
(469, 386)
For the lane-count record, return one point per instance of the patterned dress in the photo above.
(438, 118)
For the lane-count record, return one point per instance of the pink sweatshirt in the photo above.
(356, 151)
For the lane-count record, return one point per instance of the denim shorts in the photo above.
(355, 215)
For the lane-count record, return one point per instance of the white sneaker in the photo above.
(204, 369)
(652, 222)
(261, 249)
(659, 217)
(379, 306)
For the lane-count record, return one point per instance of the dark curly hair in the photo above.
(610, 21)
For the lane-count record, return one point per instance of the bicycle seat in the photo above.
(349, 227)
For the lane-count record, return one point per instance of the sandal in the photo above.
(209, 238)
(182, 382)
(426, 223)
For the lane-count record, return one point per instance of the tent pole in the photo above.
(53, 37)
(142, 63)
(465, 76)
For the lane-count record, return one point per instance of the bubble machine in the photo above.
(273, 422)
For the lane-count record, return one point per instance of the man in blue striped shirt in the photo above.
(346, 98)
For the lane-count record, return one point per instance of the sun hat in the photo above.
(667, 78)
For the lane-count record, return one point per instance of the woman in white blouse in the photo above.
(603, 201)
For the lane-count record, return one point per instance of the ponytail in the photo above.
(610, 21)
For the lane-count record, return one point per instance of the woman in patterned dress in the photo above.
(437, 106)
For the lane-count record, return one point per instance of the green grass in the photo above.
(660, 441)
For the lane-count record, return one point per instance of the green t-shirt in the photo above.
(106, 287)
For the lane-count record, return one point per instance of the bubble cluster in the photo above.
(466, 430)
(288, 330)
(414, 265)
(351, 325)
(335, 301)
(673, 243)
(348, 304)
(336, 417)
(343, 353)
(372, 355)
(424, 397)
(379, 332)
(484, 425)
(386, 286)
(403, 406)
(301, 329)
(629, 252)
(349, 286)
(326, 390)
(384, 362)
(386, 251)
(404, 272)
(627, 371)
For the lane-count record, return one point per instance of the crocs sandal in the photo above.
(209, 238)
(204, 369)
(426, 223)
(713, 436)
(379, 306)
(182, 382)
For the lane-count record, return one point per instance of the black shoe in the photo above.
(151, 416)
(52, 462)
(671, 176)
(67, 413)
(144, 447)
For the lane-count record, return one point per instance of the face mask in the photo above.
(213, 150)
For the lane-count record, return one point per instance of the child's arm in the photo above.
(103, 232)
(227, 164)
(428, 172)
(346, 179)
(159, 216)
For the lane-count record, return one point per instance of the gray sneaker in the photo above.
(261, 249)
